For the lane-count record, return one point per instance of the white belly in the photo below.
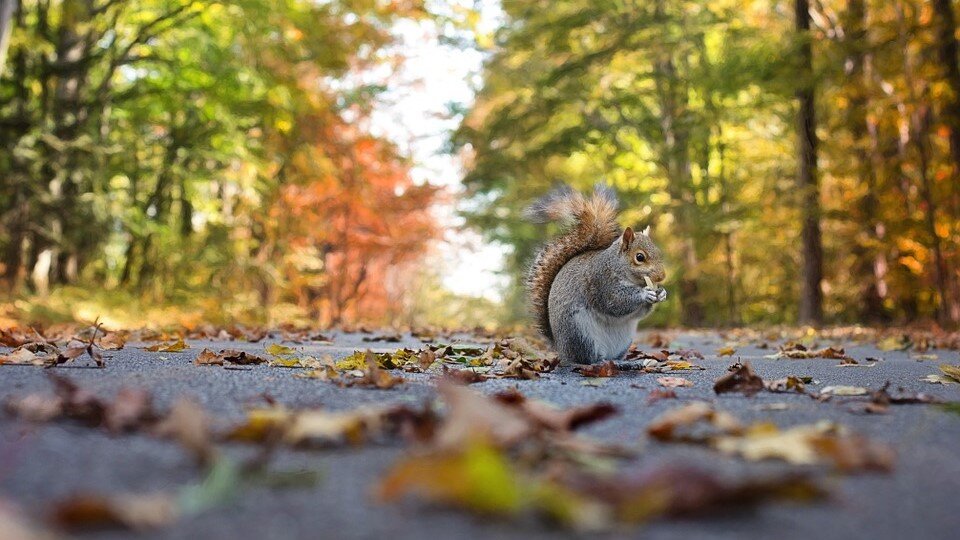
(611, 336)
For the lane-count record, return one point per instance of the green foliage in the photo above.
(687, 109)
(150, 146)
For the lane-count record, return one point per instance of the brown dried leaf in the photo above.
(21, 356)
(547, 416)
(188, 424)
(739, 379)
(129, 511)
(603, 369)
(463, 376)
(674, 382)
(130, 410)
(208, 358)
(658, 394)
(681, 424)
(242, 358)
(175, 346)
(112, 341)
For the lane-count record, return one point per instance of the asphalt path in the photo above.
(919, 499)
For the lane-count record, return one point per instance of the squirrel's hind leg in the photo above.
(575, 347)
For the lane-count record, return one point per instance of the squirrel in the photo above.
(589, 287)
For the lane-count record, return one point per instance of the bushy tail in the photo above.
(594, 227)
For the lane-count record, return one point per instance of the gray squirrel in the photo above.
(590, 286)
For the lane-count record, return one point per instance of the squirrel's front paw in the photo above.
(661, 294)
(648, 295)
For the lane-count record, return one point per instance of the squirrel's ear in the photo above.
(646, 231)
(626, 239)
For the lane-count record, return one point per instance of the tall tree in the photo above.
(7, 7)
(947, 51)
(811, 253)
(868, 165)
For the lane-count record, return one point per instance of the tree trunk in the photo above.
(947, 50)
(811, 265)
(946, 28)
(7, 7)
(871, 265)
(676, 162)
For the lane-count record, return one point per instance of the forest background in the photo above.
(173, 161)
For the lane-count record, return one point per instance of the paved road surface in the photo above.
(919, 500)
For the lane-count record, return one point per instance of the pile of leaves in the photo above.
(508, 358)
(40, 351)
(509, 455)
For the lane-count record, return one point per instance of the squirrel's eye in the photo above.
(640, 256)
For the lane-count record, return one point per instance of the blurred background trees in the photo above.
(174, 147)
(796, 159)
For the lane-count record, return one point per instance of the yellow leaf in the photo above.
(478, 478)
(176, 346)
(951, 371)
(277, 349)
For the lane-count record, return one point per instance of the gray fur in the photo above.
(595, 303)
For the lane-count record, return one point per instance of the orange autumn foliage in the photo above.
(353, 226)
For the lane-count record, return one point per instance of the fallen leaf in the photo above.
(208, 358)
(673, 382)
(843, 391)
(377, 377)
(188, 424)
(675, 490)
(277, 349)
(658, 394)
(726, 351)
(602, 369)
(130, 511)
(902, 397)
(112, 341)
(385, 337)
(740, 378)
(130, 410)
(791, 383)
(681, 365)
(16, 525)
(823, 442)
(938, 379)
(482, 480)
(241, 358)
(894, 343)
(951, 371)
(798, 351)
(477, 477)
(175, 346)
(694, 422)
(315, 427)
(463, 376)
(21, 356)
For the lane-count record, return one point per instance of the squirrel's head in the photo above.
(641, 256)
